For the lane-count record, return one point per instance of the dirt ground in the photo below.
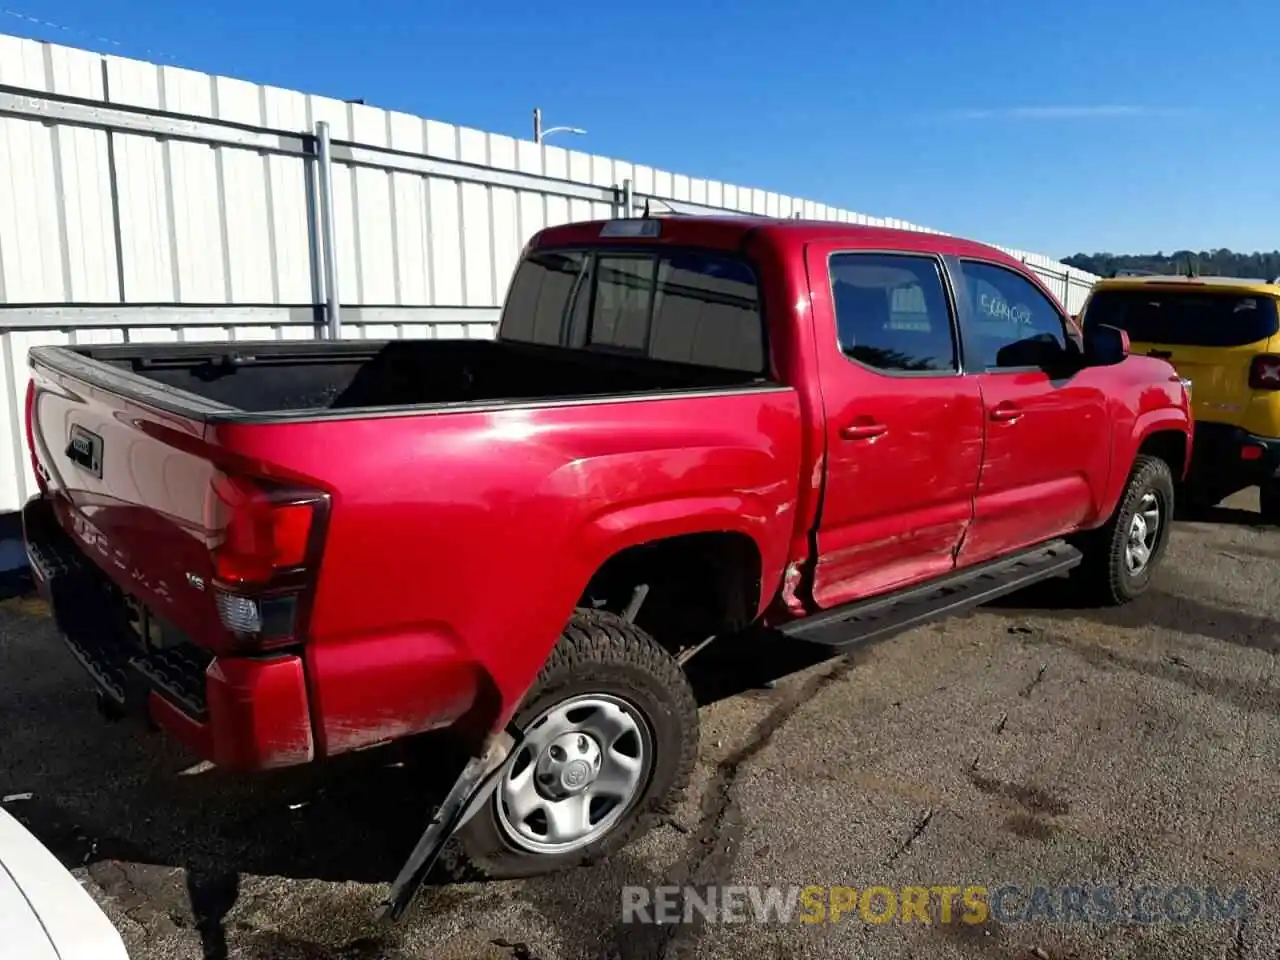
(1028, 744)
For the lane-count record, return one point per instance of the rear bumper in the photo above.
(241, 713)
(1226, 456)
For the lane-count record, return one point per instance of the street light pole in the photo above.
(539, 134)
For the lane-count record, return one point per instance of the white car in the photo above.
(44, 912)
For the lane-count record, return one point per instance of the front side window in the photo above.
(1014, 323)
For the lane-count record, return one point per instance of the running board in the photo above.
(878, 617)
(473, 786)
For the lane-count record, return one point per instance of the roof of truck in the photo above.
(727, 231)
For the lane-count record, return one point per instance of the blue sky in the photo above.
(1128, 126)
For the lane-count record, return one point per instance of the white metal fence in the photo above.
(146, 202)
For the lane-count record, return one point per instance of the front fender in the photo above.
(1145, 426)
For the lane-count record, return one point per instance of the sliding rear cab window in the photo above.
(680, 306)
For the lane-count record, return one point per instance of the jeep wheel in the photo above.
(611, 735)
(1120, 557)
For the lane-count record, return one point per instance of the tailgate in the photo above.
(129, 483)
(1219, 377)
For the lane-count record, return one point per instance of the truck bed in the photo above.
(289, 380)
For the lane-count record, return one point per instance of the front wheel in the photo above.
(1121, 557)
(610, 737)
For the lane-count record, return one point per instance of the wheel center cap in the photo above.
(576, 774)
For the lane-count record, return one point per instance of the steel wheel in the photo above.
(1144, 531)
(582, 764)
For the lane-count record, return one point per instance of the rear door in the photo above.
(903, 425)
(1211, 335)
(1047, 450)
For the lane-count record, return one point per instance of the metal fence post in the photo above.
(328, 240)
(628, 199)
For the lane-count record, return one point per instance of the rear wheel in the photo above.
(610, 738)
(1120, 557)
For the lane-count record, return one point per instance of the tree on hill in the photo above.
(1210, 263)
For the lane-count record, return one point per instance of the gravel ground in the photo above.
(1029, 744)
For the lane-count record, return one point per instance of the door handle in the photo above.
(863, 429)
(1005, 413)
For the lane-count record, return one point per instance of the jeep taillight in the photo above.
(264, 543)
(1264, 372)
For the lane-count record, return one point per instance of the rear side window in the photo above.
(1185, 317)
(892, 312)
(695, 307)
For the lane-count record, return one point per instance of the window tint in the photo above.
(541, 290)
(892, 312)
(707, 311)
(682, 307)
(1185, 317)
(624, 290)
(1014, 324)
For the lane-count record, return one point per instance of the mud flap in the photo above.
(472, 788)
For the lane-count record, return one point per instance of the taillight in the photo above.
(1264, 372)
(29, 409)
(264, 543)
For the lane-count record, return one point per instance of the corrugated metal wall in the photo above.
(147, 202)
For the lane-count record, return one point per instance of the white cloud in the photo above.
(1095, 112)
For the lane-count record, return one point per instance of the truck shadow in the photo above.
(747, 662)
(1227, 516)
(1163, 607)
(113, 800)
(110, 799)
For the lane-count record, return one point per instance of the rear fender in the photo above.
(609, 533)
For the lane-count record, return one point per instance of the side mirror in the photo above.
(1105, 345)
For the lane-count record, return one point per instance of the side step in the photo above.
(878, 617)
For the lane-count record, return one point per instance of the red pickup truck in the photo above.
(280, 552)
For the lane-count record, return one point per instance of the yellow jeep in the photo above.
(1223, 335)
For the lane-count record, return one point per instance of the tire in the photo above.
(1105, 574)
(630, 679)
(1269, 501)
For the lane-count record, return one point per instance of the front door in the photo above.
(903, 426)
(1047, 440)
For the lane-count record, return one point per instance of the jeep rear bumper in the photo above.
(1225, 457)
